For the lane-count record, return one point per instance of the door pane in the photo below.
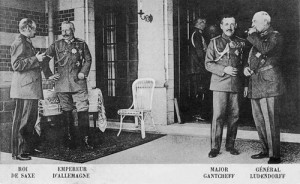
(119, 61)
(133, 51)
(122, 51)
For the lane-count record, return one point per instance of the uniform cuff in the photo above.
(35, 61)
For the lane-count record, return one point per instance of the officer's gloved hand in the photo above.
(40, 57)
(230, 70)
(54, 77)
(245, 91)
(80, 76)
(251, 30)
(248, 71)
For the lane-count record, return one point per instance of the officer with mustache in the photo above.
(73, 60)
(224, 60)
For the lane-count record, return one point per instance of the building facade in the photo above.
(125, 46)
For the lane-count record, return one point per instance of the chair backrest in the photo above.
(142, 92)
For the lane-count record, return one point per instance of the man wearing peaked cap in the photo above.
(224, 59)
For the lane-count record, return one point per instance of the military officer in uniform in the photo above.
(265, 84)
(197, 75)
(73, 60)
(224, 60)
(26, 89)
(212, 31)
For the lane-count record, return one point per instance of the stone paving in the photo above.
(180, 149)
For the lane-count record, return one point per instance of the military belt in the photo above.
(265, 68)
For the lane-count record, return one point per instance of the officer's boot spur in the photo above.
(87, 144)
(84, 124)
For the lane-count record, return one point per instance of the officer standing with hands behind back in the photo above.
(73, 60)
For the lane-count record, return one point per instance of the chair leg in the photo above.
(136, 122)
(95, 117)
(121, 122)
(143, 127)
(153, 121)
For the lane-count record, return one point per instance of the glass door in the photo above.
(117, 66)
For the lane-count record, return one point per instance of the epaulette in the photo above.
(18, 39)
(215, 37)
(80, 40)
(60, 40)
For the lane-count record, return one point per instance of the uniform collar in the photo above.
(266, 32)
(29, 40)
(199, 30)
(26, 38)
(70, 41)
(227, 37)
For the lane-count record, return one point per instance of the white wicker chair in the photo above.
(142, 93)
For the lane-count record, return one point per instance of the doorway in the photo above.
(185, 12)
(285, 19)
(116, 52)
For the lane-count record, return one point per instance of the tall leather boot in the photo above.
(70, 129)
(84, 125)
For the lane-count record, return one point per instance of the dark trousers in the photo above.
(25, 116)
(69, 100)
(225, 109)
(266, 117)
(198, 92)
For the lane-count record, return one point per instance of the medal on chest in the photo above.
(237, 46)
(79, 59)
(237, 52)
(74, 51)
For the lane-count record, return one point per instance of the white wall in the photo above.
(156, 56)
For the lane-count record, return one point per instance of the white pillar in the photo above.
(154, 56)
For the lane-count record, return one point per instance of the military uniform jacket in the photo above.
(197, 53)
(223, 51)
(27, 79)
(71, 58)
(264, 58)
